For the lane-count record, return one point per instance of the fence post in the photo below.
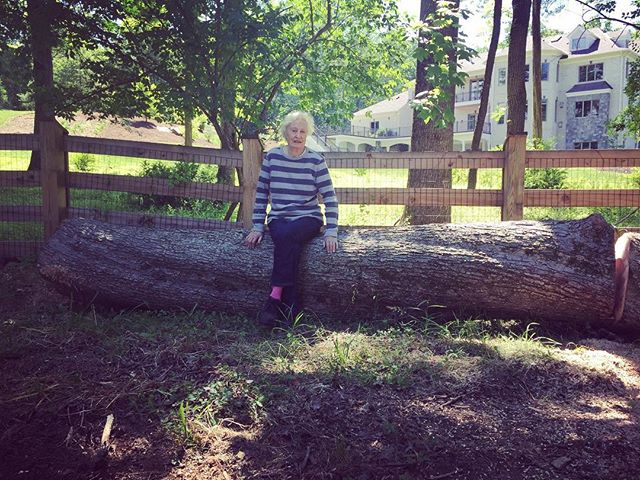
(515, 150)
(251, 163)
(54, 167)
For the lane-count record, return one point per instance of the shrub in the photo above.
(177, 174)
(84, 162)
(635, 176)
(545, 178)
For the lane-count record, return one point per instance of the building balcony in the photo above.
(461, 126)
(368, 132)
(464, 126)
(470, 96)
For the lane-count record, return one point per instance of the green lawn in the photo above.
(361, 215)
(6, 115)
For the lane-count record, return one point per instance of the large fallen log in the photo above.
(559, 270)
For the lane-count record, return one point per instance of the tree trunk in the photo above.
(427, 137)
(559, 271)
(188, 127)
(536, 71)
(39, 13)
(228, 141)
(486, 87)
(516, 92)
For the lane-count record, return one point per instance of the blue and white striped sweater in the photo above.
(293, 185)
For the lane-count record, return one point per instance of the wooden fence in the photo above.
(55, 180)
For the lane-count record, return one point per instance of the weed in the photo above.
(341, 354)
(230, 398)
(545, 178)
(84, 162)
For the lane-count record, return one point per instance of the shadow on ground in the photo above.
(208, 396)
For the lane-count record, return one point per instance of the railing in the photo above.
(368, 132)
(54, 183)
(460, 126)
(464, 126)
(470, 96)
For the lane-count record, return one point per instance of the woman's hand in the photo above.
(253, 239)
(331, 244)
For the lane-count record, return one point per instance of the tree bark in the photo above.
(427, 137)
(39, 17)
(516, 91)
(628, 278)
(486, 88)
(536, 71)
(560, 271)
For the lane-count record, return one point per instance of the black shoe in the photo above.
(271, 312)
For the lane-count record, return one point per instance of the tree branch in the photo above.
(607, 17)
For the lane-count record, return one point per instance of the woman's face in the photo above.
(296, 134)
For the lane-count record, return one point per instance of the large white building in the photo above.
(583, 78)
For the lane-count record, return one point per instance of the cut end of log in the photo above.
(623, 245)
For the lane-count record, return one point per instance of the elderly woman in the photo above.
(290, 180)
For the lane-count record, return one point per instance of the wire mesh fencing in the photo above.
(397, 188)
(575, 184)
(21, 229)
(154, 185)
(169, 186)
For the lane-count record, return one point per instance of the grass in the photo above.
(357, 215)
(6, 115)
(195, 394)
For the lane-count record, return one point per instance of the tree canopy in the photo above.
(240, 62)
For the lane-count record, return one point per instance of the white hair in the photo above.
(292, 117)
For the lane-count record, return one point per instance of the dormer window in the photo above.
(590, 73)
(580, 43)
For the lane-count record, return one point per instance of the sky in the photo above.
(476, 26)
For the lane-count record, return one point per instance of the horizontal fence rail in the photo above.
(154, 151)
(420, 196)
(37, 185)
(154, 186)
(18, 141)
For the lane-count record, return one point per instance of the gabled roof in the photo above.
(602, 42)
(589, 86)
(387, 106)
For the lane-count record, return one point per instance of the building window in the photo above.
(586, 107)
(375, 126)
(543, 110)
(580, 43)
(526, 73)
(589, 73)
(471, 122)
(475, 89)
(545, 71)
(585, 145)
(502, 76)
(557, 72)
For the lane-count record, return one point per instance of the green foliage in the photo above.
(545, 178)
(15, 74)
(627, 122)
(84, 162)
(179, 173)
(206, 406)
(435, 49)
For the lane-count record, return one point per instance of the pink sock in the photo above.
(276, 292)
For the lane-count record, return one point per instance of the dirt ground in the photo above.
(452, 411)
(139, 129)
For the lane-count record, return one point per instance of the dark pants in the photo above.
(289, 238)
